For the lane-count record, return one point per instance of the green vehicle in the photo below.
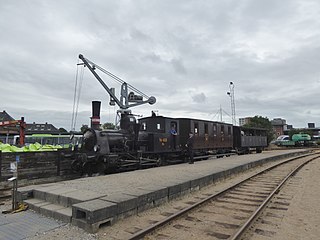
(299, 139)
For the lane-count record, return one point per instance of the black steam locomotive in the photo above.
(148, 142)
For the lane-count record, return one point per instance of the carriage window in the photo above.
(214, 127)
(158, 126)
(144, 126)
(173, 126)
(206, 131)
(222, 129)
(229, 130)
(196, 127)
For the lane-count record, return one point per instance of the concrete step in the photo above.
(57, 194)
(48, 209)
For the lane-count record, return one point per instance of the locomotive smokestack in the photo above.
(95, 119)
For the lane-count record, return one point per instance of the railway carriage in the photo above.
(249, 139)
(208, 135)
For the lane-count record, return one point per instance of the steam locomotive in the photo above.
(148, 142)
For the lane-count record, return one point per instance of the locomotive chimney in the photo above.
(95, 119)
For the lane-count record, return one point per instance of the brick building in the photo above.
(279, 126)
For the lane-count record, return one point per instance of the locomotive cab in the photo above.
(155, 134)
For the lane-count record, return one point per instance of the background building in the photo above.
(279, 126)
(243, 121)
(7, 131)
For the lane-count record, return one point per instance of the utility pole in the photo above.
(233, 106)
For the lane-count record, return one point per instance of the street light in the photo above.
(233, 106)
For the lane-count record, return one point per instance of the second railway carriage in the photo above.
(247, 139)
(208, 136)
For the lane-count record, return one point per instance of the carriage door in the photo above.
(174, 139)
(206, 135)
(214, 135)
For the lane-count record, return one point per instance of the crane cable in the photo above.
(76, 96)
(74, 99)
(119, 80)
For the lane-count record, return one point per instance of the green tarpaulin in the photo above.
(36, 147)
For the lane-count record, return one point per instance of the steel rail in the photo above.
(254, 216)
(152, 228)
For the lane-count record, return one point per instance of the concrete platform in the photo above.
(93, 202)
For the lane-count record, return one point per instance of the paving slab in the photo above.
(124, 202)
(54, 196)
(67, 199)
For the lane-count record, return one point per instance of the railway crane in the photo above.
(127, 99)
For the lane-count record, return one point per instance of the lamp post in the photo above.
(233, 106)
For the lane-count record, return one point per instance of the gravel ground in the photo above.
(302, 220)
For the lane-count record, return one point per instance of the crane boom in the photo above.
(127, 100)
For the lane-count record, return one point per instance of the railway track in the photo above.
(230, 213)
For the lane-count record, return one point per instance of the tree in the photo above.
(108, 125)
(62, 130)
(84, 127)
(262, 122)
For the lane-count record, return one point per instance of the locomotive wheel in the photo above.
(101, 168)
(76, 166)
(159, 161)
(87, 168)
(258, 150)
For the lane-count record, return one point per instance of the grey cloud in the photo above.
(178, 66)
(199, 98)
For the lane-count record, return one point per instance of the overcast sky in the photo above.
(184, 53)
